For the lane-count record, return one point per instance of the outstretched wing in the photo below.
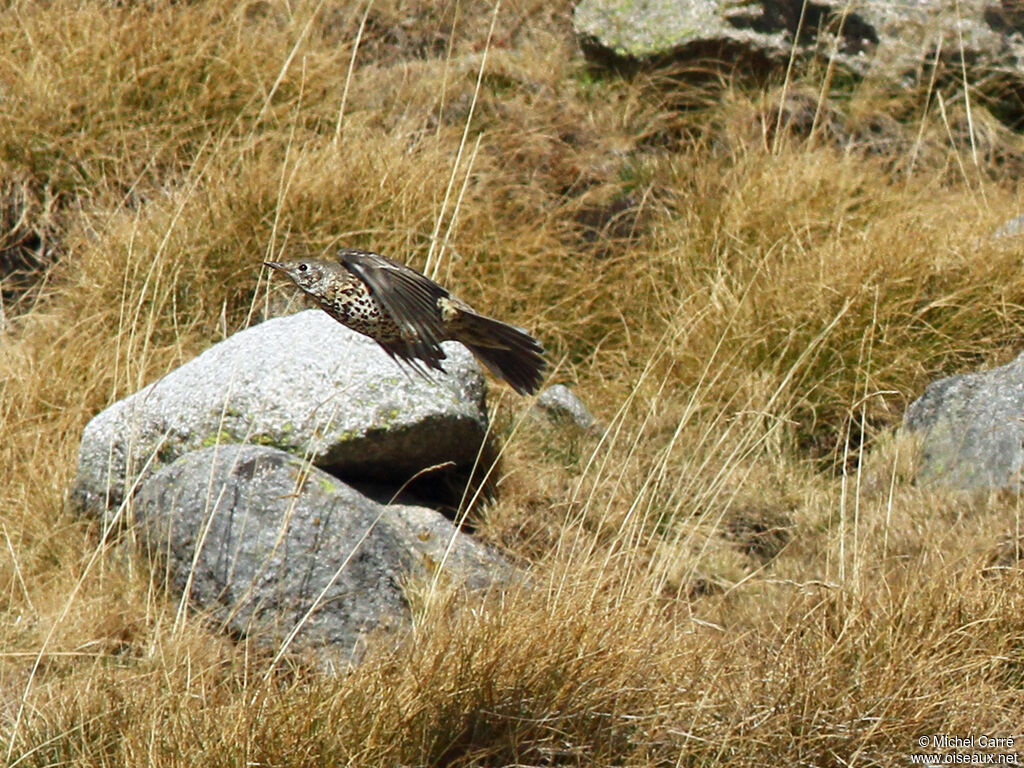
(408, 297)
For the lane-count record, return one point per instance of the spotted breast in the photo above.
(351, 303)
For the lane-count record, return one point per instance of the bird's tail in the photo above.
(510, 353)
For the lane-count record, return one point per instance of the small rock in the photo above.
(972, 428)
(255, 535)
(1011, 228)
(561, 405)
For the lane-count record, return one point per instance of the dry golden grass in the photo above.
(739, 572)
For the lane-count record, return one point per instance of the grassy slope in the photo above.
(741, 573)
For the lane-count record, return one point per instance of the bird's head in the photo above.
(308, 275)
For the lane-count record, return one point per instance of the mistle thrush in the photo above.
(409, 315)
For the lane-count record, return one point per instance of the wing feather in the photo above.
(407, 296)
(418, 364)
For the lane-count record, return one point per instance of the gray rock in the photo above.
(641, 29)
(562, 406)
(894, 41)
(305, 384)
(1011, 228)
(972, 428)
(255, 536)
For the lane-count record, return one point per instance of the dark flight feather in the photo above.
(407, 296)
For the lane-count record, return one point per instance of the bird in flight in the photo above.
(409, 315)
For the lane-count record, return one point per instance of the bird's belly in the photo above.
(357, 309)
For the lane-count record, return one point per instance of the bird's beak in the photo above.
(274, 264)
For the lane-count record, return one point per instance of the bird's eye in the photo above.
(303, 267)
